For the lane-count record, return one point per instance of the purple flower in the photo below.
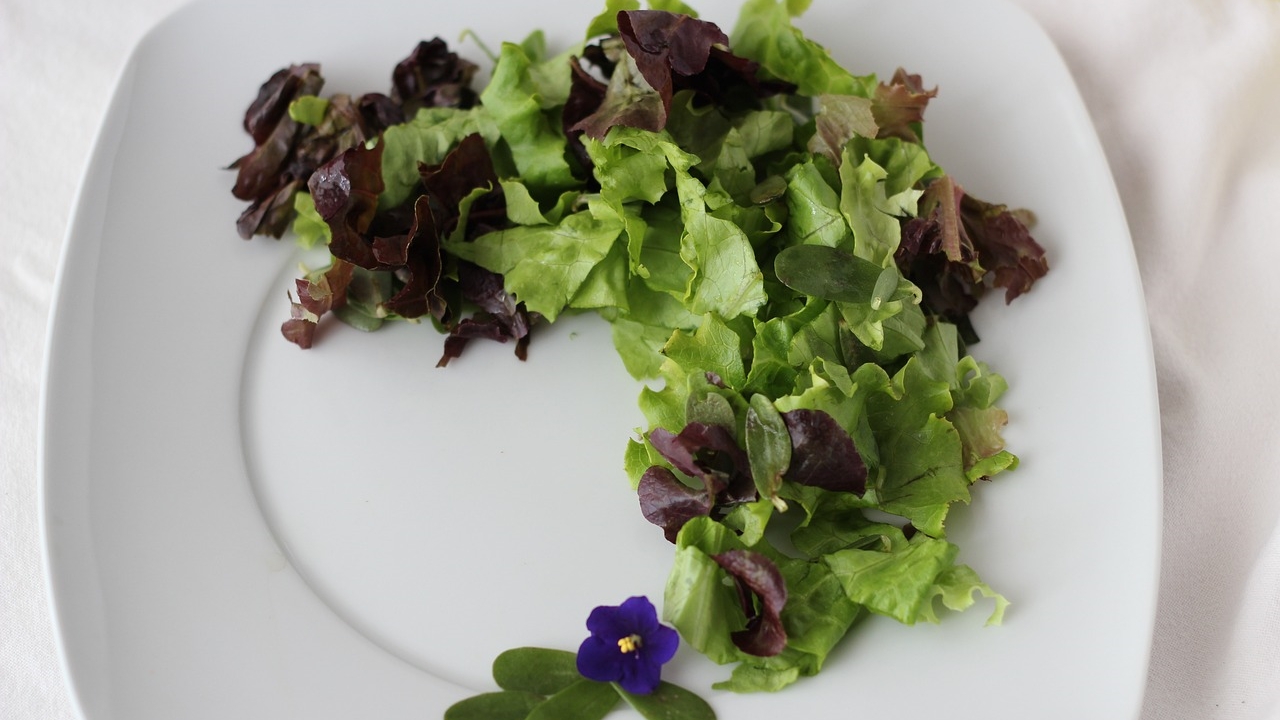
(627, 646)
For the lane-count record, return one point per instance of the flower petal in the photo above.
(660, 644)
(610, 623)
(640, 675)
(639, 614)
(599, 660)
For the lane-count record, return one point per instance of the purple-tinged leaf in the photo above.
(823, 454)
(664, 44)
(275, 95)
(666, 53)
(379, 112)
(709, 453)
(960, 243)
(269, 214)
(269, 175)
(677, 52)
(481, 325)
(287, 152)
(979, 430)
(344, 126)
(898, 106)
(300, 328)
(840, 118)
(669, 503)
(261, 172)
(500, 318)
(586, 94)
(1005, 246)
(345, 191)
(327, 292)
(432, 76)
(763, 592)
(466, 168)
(485, 289)
(627, 101)
(317, 295)
(417, 255)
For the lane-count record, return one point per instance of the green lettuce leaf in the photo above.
(544, 265)
(713, 347)
(310, 229)
(427, 139)
(921, 472)
(523, 209)
(765, 33)
(897, 583)
(814, 215)
(869, 210)
(955, 586)
(726, 279)
(514, 102)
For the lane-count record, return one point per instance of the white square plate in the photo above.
(236, 529)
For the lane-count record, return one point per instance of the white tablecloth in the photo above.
(1186, 98)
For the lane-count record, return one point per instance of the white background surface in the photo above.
(1186, 97)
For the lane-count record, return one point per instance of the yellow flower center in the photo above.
(630, 643)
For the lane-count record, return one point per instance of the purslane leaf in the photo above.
(540, 671)
(768, 445)
(502, 705)
(669, 702)
(583, 700)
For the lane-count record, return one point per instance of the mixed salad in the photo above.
(773, 248)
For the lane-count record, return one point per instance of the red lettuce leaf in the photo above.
(272, 104)
(709, 453)
(432, 76)
(671, 52)
(263, 175)
(327, 292)
(287, 152)
(898, 106)
(823, 454)
(300, 328)
(763, 593)
(500, 317)
(1004, 244)
(677, 52)
(666, 44)
(466, 168)
(345, 191)
(416, 255)
(586, 93)
(669, 503)
(269, 214)
(315, 298)
(959, 244)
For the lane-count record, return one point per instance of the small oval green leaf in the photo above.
(709, 408)
(669, 702)
(768, 445)
(828, 273)
(886, 286)
(356, 318)
(583, 700)
(536, 670)
(506, 705)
